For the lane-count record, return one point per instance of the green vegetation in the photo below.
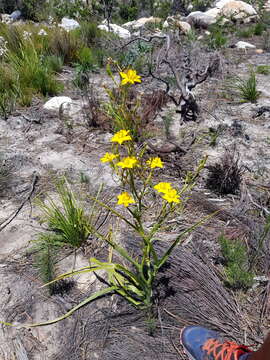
(134, 278)
(263, 69)
(45, 249)
(68, 220)
(252, 30)
(244, 89)
(248, 88)
(236, 264)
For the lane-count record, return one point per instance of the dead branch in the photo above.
(11, 217)
(186, 78)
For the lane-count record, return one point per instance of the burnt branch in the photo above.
(185, 65)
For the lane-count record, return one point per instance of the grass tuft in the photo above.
(236, 264)
(67, 219)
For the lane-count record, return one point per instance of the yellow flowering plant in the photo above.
(123, 112)
(134, 278)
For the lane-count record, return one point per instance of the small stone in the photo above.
(259, 51)
(244, 45)
(69, 24)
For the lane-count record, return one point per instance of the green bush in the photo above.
(128, 12)
(31, 8)
(217, 39)
(89, 33)
(65, 45)
(236, 263)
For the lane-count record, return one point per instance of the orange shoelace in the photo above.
(225, 351)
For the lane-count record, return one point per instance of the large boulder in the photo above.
(116, 29)
(69, 24)
(141, 23)
(215, 12)
(238, 10)
(200, 19)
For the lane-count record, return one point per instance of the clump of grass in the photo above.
(54, 63)
(263, 69)
(45, 251)
(67, 219)
(259, 28)
(65, 45)
(8, 90)
(246, 89)
(246, 32)
(236, 262)
(89, 33)
(225, 176)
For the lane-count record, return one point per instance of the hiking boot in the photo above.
(203, 344)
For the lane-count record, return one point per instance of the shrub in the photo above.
(89, 33)
(259, 28)
(31, 8)
(236, 263)
(65, 45)
(128, 12)
(225, 176)
(217, 39)
(72, 9)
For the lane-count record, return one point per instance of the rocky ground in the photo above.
(40, 145)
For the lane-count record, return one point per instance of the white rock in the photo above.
(238, 10)
(200, 19)
(215, 12)
(165, 25)
(54, 103)
(116, 29)
(244, 45)
(140, 23)
(221, 3)
(69, 24)
(5, 18)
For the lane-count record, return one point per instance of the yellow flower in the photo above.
(128, 162)
(155, 162)
(108, 157)
(171, 196)
(130, 76)
(121, 136)
(125, 199)
(163, 187)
